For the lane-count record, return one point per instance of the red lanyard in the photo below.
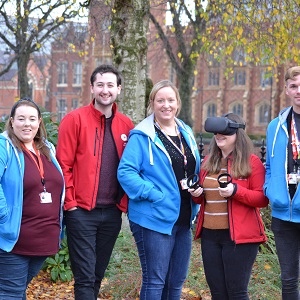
(39, 163)
(295, 140)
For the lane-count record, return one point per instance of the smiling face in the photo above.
(165, 105)
(25, 123)
(292, 90)
(105, 90)
(226, 143)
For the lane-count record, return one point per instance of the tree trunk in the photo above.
(185, 81)
(129, 49)
(23, 86)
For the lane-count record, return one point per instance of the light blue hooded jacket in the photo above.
(145, 172)
(11, 191)
(276, 184)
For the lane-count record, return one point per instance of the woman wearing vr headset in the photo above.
(229, 222)
(160, 155)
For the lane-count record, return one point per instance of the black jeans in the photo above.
(287, 239)
(227, 266)
(91, 237)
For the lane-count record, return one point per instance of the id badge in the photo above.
(183, 183)
(292, 178)
(45, 197)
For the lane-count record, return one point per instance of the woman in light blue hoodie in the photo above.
(31, 199)
(160, 156)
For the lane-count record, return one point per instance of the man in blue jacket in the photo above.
(281, 185)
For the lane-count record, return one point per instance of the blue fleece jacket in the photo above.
(276, 184)
(145, 172)
(11, 191)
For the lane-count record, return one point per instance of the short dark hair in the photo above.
(106, 69)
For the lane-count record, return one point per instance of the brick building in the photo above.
(248, 93)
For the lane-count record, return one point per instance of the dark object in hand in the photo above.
(224, 179)
(193, 181)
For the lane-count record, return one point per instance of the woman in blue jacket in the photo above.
(31, 199)
(160, 156)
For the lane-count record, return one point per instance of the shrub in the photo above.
(51, 127)
(58, 265)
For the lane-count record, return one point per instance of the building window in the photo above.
(30, 92)
(103, 61)
(238, 109)
(77, 73)
(265, 79)
(74, 104)
(62, 69)
(211, 110)
(239, 57)
(213, 77)
(62, 109)
(239, 77)
(212, 61)
(264, 111)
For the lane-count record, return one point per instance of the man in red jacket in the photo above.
(91, 140)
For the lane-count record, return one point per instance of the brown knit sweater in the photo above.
(216, 213)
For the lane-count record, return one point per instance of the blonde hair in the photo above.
(240, 166)
(159, 85)
(291, 73)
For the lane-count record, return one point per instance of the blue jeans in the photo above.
(287, 239)
(16, 272)
(91, 236)
(227, 265)
(164, 260)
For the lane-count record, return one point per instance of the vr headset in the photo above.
(222, 125)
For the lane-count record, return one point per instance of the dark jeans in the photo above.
(91, 237)
(16, 272)
(227, 266)
(164, 260)
(287, 239)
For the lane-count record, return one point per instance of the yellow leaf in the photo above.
(195, 72)
(267, 267)
(192, 293)
(179, 54)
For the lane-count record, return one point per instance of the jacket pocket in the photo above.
(277, 192)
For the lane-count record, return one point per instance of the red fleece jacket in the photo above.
(79, 152)
(245, 221)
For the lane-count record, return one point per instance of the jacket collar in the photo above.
(97, 113)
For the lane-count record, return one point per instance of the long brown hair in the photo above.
(240, 166)
(41, 134)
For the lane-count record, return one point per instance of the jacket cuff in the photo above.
(234, 189)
